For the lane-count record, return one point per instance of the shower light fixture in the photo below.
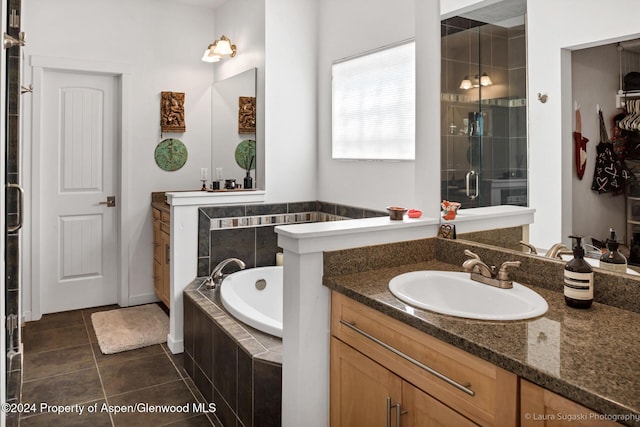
(466, 83)
(218, 49)
(483, 80)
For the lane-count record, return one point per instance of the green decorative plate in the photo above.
(171, 154)
(246, 154)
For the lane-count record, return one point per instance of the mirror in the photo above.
(589, 65)
(233, 128)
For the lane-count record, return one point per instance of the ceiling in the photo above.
(212, 4)
(505, 13)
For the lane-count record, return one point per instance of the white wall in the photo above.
(161, 41)
(428, 81)
(348, 28)
(555, 28)
(595, 81)
(291, 40)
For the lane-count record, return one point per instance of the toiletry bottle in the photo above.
(613, 260)
(578, 278)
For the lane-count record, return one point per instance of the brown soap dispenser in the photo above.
(578, 278)
(613, 260)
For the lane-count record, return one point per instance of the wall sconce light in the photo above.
(482, 80)
(218, 49)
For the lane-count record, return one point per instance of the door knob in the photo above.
(111, 202)
(10, 41)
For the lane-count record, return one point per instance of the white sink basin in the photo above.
(455, 294)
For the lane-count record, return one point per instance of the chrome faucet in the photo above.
(475, 264)
(557, 250)
(216, 277)
(481, 272)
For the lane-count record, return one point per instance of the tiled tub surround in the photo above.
(247, 231)
(587, 356)
(233, 365)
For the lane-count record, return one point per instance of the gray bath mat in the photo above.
(130, 328)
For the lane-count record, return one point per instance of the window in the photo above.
(373, 105)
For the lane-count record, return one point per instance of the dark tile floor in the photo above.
(64, 369)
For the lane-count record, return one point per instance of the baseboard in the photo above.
(175, 346)
(27, 317)
(143, 299)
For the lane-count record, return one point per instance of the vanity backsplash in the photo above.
(614, 289)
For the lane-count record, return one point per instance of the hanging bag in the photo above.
(611, 174)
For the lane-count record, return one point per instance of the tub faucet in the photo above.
(481, 272)
(216, 277)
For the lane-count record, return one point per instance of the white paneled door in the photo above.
(78, 251)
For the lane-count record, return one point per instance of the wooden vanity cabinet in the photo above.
(161, 254)
(375, 358)
(540, 407)
(365, 393)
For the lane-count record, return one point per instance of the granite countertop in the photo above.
(588, 356)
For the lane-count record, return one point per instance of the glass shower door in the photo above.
(483, 100)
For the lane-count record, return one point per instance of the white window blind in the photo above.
(373, 105)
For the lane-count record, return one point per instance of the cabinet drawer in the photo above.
(544, 408)
(473, 387)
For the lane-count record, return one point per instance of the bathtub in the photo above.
(254, 296)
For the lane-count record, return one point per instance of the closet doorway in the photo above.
(597, 81)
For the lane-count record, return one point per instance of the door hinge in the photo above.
(14, 19)
(12, 323)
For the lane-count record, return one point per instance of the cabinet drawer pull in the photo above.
(462, 387)
(399, 412)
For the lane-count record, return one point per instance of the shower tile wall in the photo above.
(248, 231)
(12, 335)
(470, 48)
